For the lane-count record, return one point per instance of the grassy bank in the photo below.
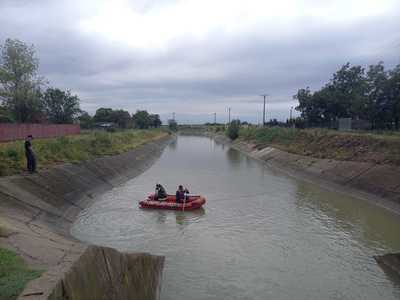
(73, 149)
(321, 143)
(14, 275)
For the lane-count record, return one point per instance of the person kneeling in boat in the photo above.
(160, 194)
(181, 194)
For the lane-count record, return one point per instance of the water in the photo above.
(261, 235)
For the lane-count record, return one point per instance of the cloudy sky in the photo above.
(197, 57)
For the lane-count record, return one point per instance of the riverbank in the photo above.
(73, 149)
(39, 209)
(328, 144)
(377, 183)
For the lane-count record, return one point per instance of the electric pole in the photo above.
(265, 97)
(229, 115)
(173, 116)
(291, 109)
(215, 118)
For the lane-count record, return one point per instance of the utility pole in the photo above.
(173, 116)
(229, 115)
(215, 118)
(265, 97)
(291, 109)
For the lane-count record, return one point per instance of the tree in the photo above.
(20, 86)
(345, 96)
(155, 121)
(141, 119)
(85, 120)
(393, 92)
(5, 115)
(172, 125)
(349, 88)
(377, 101)
(60, 106)
(104, 115)
(233, 130)
(122, 118)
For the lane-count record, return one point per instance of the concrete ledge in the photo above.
(100, 273)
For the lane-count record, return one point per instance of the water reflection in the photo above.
(234, 157)
(188, 217)
(173, 144)
(362, 220)
(161, 216)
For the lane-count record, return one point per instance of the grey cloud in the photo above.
(193, 75)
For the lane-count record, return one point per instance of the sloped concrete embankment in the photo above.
(377, 183)
(38, 210)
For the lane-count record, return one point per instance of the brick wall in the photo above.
(11, 132)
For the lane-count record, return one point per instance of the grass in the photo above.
(14, 275)
(324, 143)
(73, 149)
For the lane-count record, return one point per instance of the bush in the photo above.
(233, 130)
(13, 154)
(111, 129)
(101, 141)
(172, 125)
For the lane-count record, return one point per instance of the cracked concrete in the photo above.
(39, 209)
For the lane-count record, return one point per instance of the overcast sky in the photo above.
(197, 57)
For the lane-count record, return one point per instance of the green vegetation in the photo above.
(73, 149)
(233, 130)
(323, 143)
(372, 96)
(172, 125)
(25, 99)
(14, 275)
(21, 89)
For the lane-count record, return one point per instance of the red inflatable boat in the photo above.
(193, 202)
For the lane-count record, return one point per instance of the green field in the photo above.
(14, 275)
(73, 149)
(322, 143)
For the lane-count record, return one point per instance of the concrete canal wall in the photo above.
(376, 183)
(36, 212)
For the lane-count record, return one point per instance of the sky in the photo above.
(199, 57)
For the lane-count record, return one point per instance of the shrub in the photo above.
(12, 154)
(233, 130)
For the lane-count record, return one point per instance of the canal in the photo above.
(261, 235)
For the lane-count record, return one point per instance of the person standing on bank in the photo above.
(30, 156)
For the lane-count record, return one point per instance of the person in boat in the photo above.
(181, 194)
(160, 194)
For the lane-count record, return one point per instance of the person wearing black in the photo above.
(181, 194)
(160, 192)
(30, 156)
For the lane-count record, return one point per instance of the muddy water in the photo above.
(261, 235)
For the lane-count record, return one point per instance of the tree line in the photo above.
(26, 98)
(120, 118)
(371, 94)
